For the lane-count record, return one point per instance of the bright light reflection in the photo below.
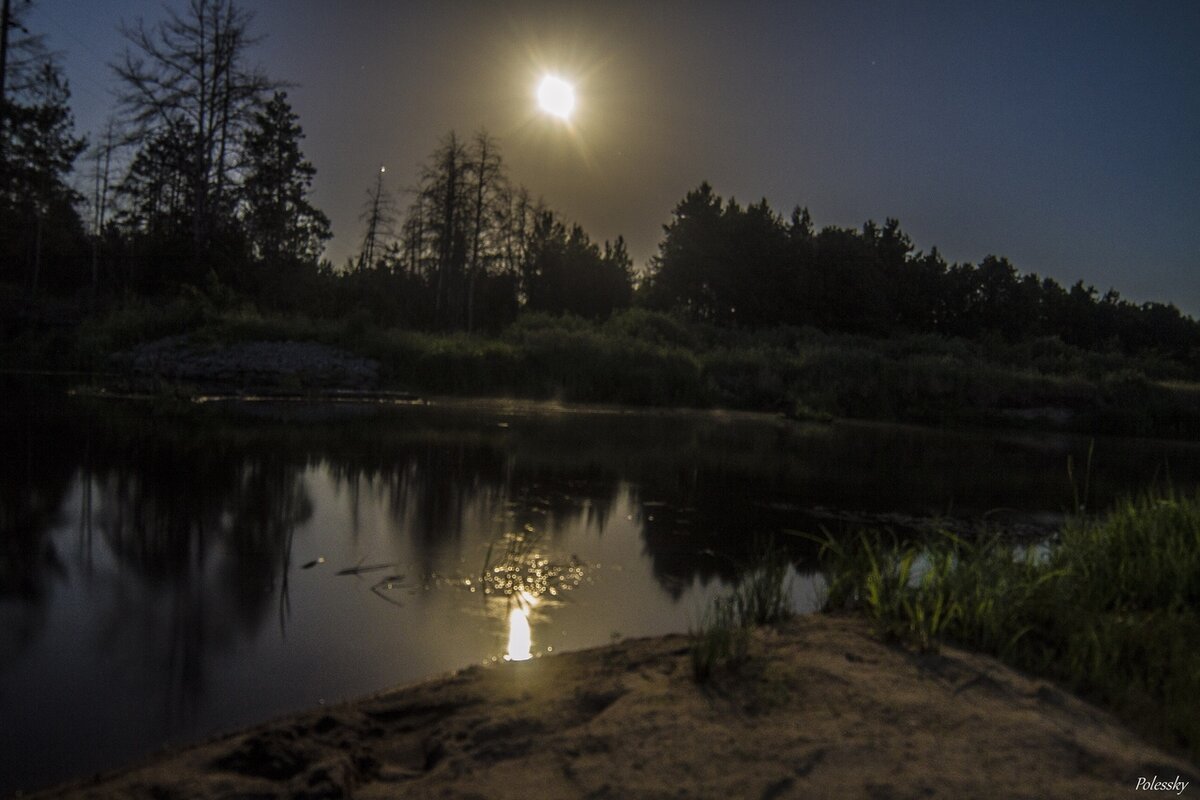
(519, 633)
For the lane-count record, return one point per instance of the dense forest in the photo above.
(200, 184)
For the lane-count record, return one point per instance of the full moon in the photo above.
(556, 96)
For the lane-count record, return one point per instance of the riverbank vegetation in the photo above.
(643, 357)
(1107, 608)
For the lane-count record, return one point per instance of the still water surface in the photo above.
(165, 575)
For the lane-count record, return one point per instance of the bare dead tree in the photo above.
(102, 153)
(486, 176)
(413, 255)
(445, 188)
(379, 214)
(189, 75)
(466, 223)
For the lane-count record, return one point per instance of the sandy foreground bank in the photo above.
(822, 709)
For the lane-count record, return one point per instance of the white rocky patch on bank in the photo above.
(241, 365)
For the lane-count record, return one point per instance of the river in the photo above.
(169, 572)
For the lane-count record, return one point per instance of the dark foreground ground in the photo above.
(822, 708)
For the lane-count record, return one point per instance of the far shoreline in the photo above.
(188, 347)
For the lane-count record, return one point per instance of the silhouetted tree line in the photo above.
(201, 181)
(472, 250)
(214, 191)
(214, 181)
(726, 264)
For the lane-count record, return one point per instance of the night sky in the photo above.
(1065, 136)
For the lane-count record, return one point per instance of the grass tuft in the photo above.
(761, 596)
(722, 639)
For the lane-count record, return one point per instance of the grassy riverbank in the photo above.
(1108, 608)
(645, 358)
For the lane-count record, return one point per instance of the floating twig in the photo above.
(390, 582)
(359, 570)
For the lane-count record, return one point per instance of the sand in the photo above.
(823, 708)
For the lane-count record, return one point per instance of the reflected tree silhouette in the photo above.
(187, 515)
(271, 502)
(198, 509)
(33, 487)
(36, 471)
(200, 529)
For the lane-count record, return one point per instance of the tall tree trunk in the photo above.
(37, 254)
(481, 182)
(5, 24)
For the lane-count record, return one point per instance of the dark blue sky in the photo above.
(1063, 135)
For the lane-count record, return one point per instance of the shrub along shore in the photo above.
(1108, 608)
(640, 357)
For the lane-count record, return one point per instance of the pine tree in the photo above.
(281, 222)
(156, 188)
(36, 199)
